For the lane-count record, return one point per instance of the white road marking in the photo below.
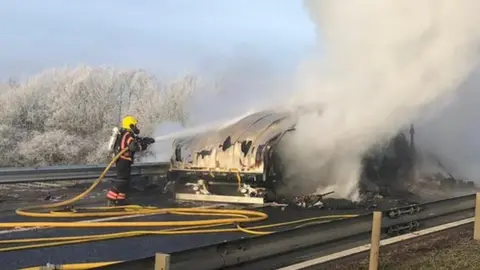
(384, 242)
(95, 220)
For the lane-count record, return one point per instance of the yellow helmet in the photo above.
(130, 123)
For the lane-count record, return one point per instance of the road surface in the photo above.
(13, 197)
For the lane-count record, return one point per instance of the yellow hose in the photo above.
(23, 212)
(235, 217)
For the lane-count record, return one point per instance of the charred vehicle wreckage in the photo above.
(240, 163)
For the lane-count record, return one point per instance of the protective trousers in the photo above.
(122, 182)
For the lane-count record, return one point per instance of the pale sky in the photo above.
(160, 36)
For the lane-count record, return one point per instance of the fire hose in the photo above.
(225, 217)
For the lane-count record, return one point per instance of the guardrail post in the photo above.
(375, 241)
(162, 261)
(476, 226)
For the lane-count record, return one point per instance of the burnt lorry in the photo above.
(241, 162)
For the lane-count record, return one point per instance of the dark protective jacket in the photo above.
(124, 163)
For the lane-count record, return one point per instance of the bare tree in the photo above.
(64, 116)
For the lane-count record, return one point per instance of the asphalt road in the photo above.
(119, 249)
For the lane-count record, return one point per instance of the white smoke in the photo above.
(452, 136)
(381, 62)
(241, 85)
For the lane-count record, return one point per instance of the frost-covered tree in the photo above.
(64, 116)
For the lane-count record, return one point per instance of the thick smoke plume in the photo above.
(379, 64)
(452, 136)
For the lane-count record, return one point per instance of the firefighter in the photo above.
(127, 138)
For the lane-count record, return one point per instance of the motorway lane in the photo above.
(128, 248)
(119, 249)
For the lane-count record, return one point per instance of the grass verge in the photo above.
(451, 249)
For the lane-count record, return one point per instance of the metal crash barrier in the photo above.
(77, 172)
(313, 241)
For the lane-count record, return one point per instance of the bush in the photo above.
(65, 116)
